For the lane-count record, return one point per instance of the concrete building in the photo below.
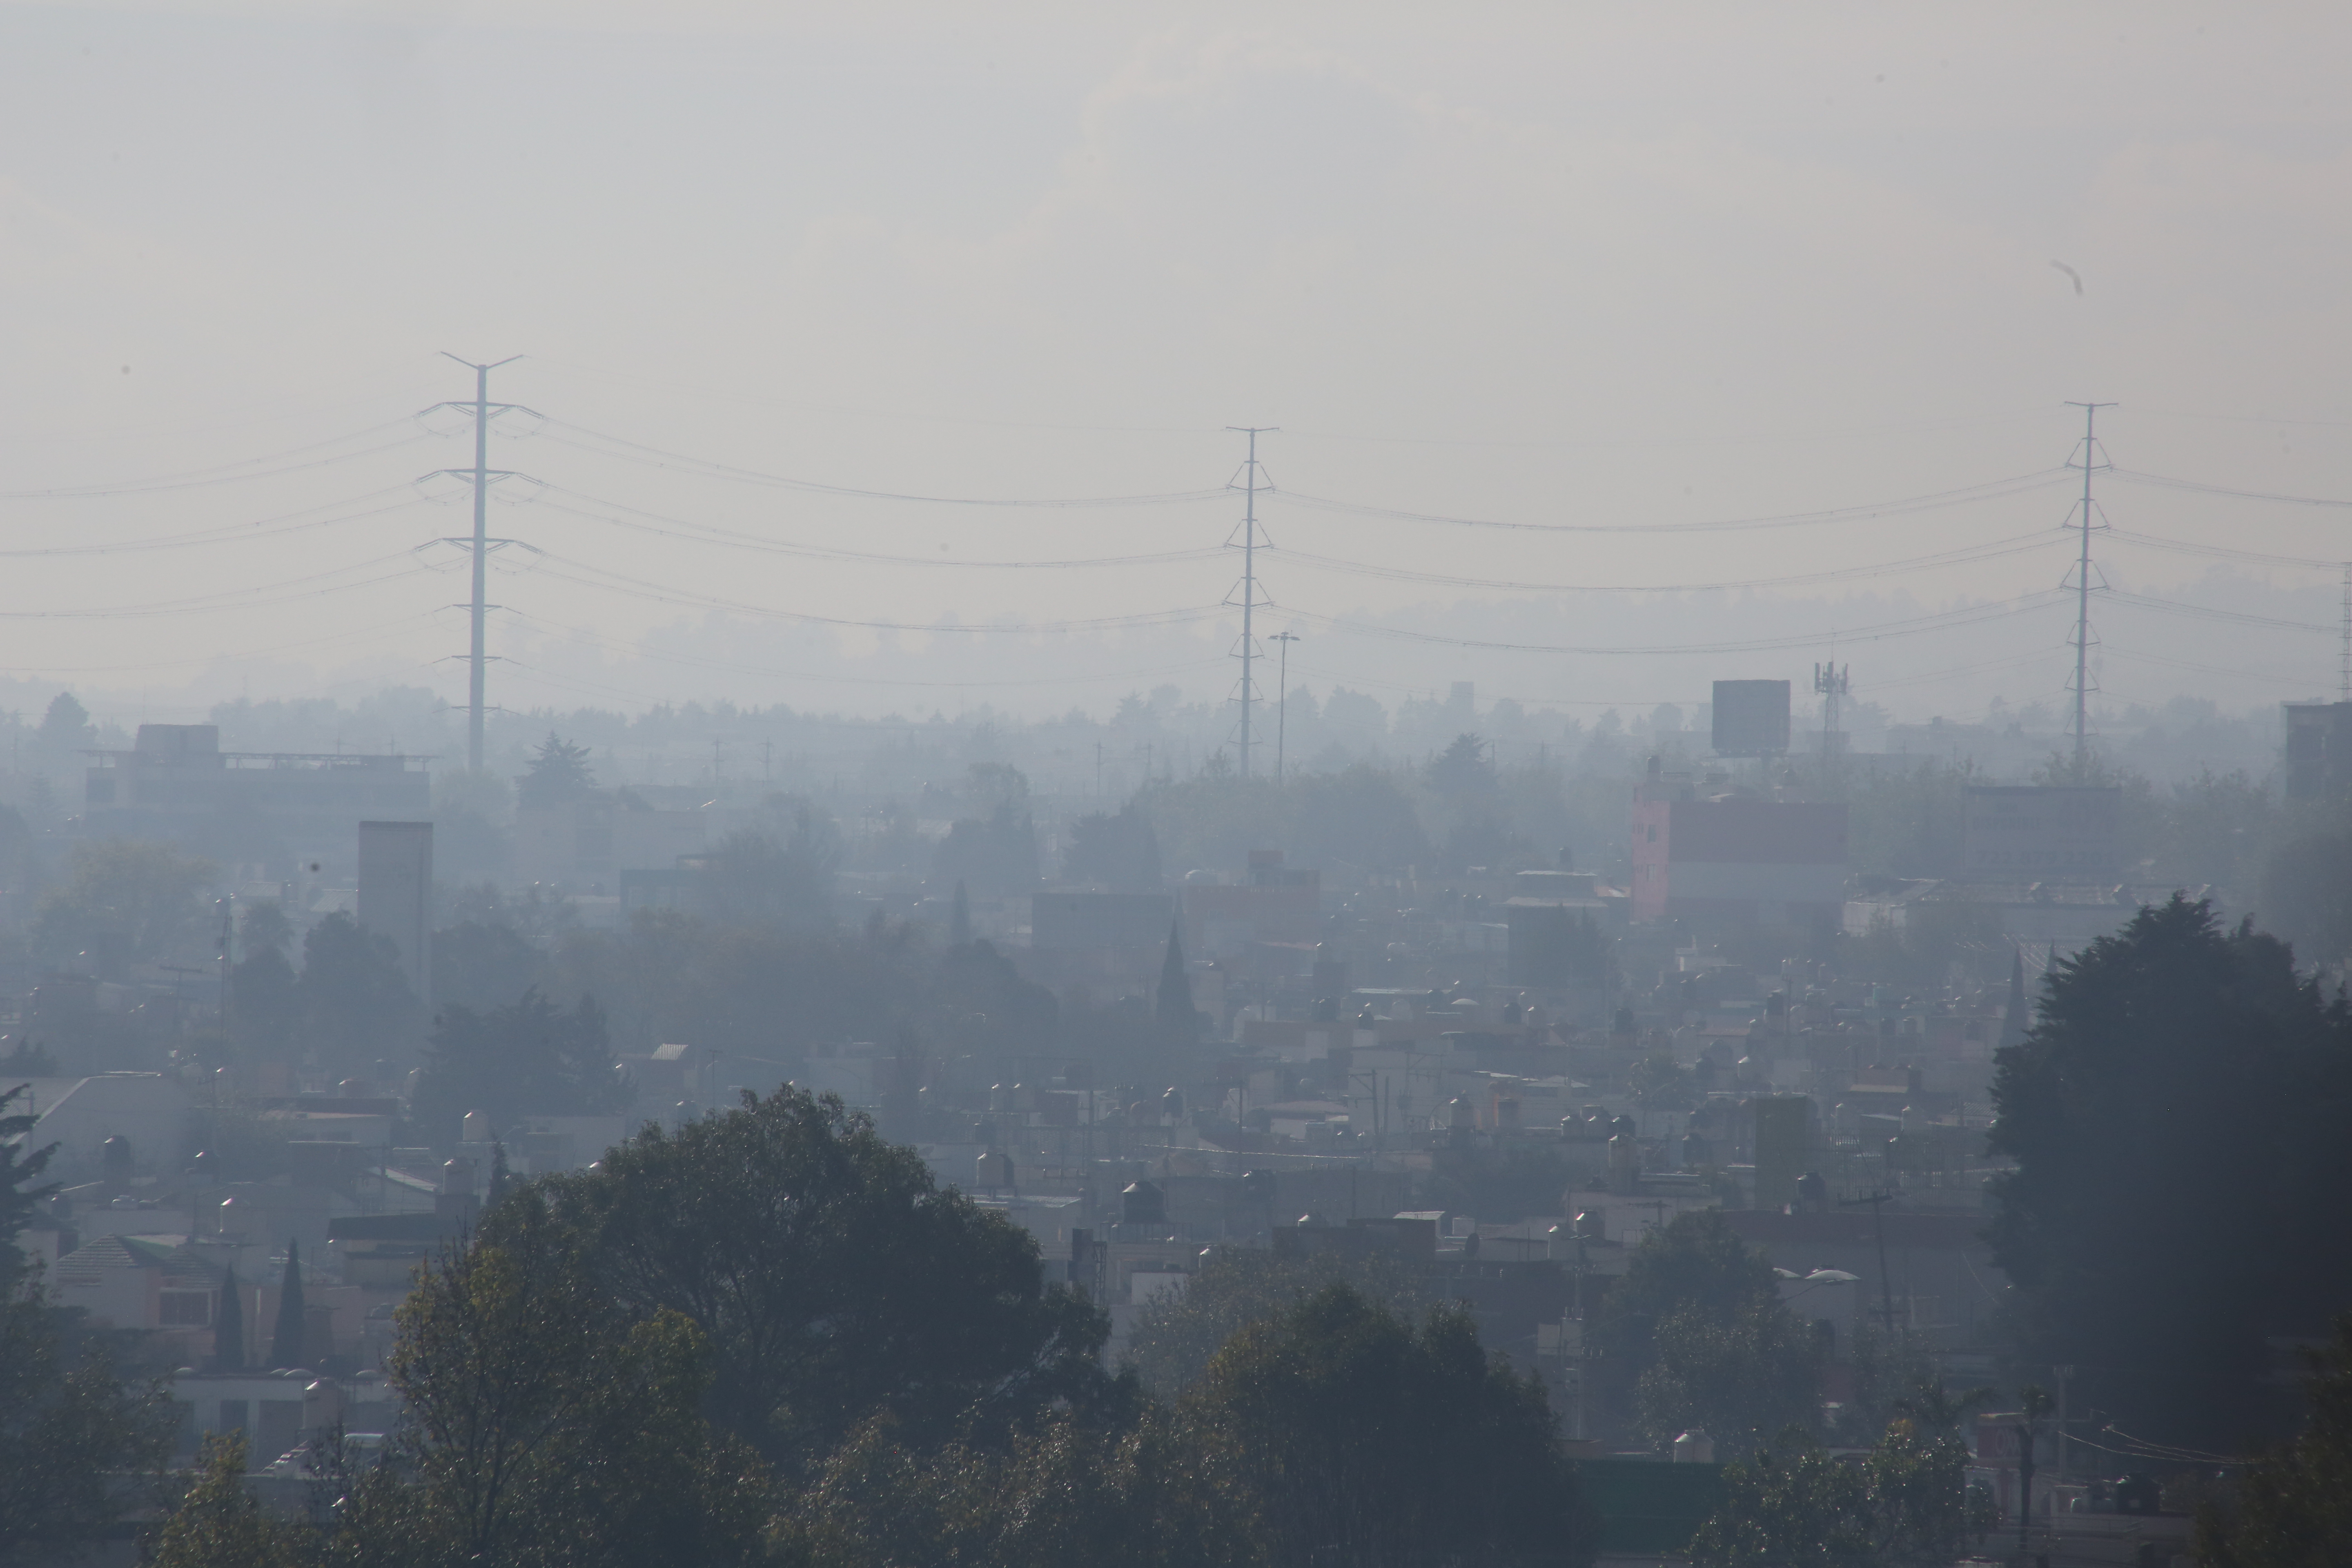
(2318, 749)
(1274, 905)
(1553, 919)
(2041, 833)
(149, 1112)
(586, 844)
(1734, 858)
(396, 895)
(1111, 942)
(177, 785)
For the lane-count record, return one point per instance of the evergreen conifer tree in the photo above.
(501, 1179)
(285, 1343)
(229, 1326)
(1173, 1005)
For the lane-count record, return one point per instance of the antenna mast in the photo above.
(2090, 465)
(1831, 680)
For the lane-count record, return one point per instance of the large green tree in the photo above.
(1740, 1379)
(353, 1001)
(124, 901)
(221, 1524)
(526, 1057)
(1064, 1493)
(2176, 1116)
(833, 1278)
(70, 1428)
(1175, 1335)
(1361, 1437)
(1906, 1506)
(21, 1187)
(2293, 1507)
(545, 1426)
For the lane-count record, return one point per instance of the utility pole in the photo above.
(480, 475)
(1281, 703)
(2343, 656)
(1878, 1202)
(2090, 465)
(1249, 579)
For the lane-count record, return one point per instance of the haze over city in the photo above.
(1280, 786)
(1559, 270)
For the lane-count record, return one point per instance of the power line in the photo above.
(645, 651)
(2019, 545)
(656, 456)
(2212, 613)
(199, 478)
(711, 534)
(635, 587)
(1993, 489)
(2221, 551)
(227, 533)
(1940, 621)
(2133, 476)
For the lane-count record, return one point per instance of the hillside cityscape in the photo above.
(1692, 909)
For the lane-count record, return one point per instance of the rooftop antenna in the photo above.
(481, 476)
(2090, 465)
(1831, 681)
(1248, 652)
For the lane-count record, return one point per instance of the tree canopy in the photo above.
(1361, 1437)
(2182, 1086)
(834, 1280)
(558, 774)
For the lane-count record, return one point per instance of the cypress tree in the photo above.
(960, 919)
(1173, 1005)
(229, 1326)
(501, 1179)
(285, 1343)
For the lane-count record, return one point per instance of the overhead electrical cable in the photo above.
(2160, 481)
(199, 479)
(230, 533)
(633, 587)
(2017, 546)
(2221, 551)
(1995, 490)
(711, 534)
(645, 651)
(1945, 620)
(341, 638)
(2208, 612)
(304, 587)
(656, 456)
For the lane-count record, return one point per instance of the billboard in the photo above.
(1751, 718)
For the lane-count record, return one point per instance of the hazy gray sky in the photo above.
(1541, 264)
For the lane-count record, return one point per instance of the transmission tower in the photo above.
(2090, 464)
(1251, 477)
(481, 476)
